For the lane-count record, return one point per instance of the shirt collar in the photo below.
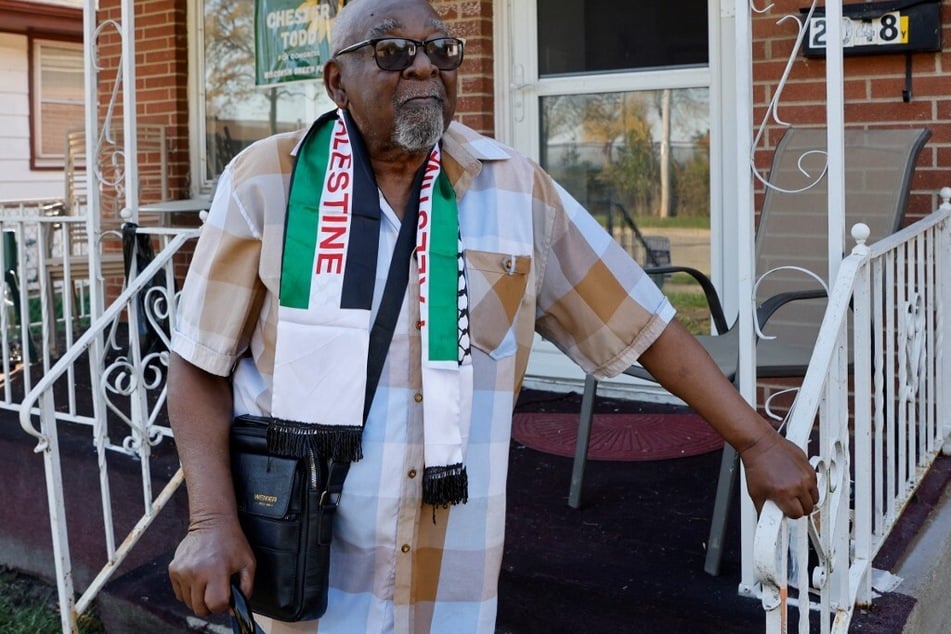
(464, 152)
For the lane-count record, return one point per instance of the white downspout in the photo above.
(129, 115)
(743, 52)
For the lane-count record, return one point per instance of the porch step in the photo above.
(142, 601)
(917, 551)
(926, 567)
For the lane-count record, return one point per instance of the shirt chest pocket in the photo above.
(496, 287)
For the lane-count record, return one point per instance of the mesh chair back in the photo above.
(793, 225)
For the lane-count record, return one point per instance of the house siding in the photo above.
(17, 180)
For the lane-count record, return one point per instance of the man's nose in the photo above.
(422, 66)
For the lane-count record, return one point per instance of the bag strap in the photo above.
(383, 327)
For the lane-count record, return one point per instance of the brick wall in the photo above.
(473, 22)
(873, 95)
(873, 88)
(161, 67)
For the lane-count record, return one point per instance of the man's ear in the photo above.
(333, 84)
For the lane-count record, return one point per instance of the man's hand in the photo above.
(208, 556)
(778, 470)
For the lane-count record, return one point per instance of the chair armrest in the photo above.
(765, 310)
(713, 300)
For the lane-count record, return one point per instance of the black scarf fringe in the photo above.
(299, 440)
(443, 486)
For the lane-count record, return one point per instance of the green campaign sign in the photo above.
(291, 39)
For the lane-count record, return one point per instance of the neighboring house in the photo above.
(41, 93)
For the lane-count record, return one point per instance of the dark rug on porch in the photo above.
(623, 437)
(631, 558)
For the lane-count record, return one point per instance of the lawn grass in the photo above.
(29, 605)
(691, 305)
(679, 222)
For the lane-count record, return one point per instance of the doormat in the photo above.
(618, 437)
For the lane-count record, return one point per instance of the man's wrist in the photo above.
(764, 441)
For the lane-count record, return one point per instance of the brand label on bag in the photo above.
(264, 484)
(263, 499)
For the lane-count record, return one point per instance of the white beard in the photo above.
(418, 128)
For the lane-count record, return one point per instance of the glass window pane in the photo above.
(58, 98)
(632, 158)
(61, 72)
(577, 36)
(58, 118)
(237, 112)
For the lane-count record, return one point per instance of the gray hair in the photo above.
(345, 25)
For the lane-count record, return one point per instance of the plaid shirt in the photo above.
(535, 260)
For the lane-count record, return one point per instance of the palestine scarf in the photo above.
(328, 274)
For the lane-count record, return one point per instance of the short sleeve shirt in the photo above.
(535, 261)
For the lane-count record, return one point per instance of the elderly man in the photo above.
(419, 531)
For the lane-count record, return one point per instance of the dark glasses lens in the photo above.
(397, 53)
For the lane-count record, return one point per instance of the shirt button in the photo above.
(412, 473)
(405, 548)
(419, 325)
(418, 397)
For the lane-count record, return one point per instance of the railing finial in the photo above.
(945, 194)
(860, 233)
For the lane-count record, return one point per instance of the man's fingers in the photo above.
(247, 580)
(217, 596)
(176, 587)
(196, 600)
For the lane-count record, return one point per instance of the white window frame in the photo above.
(197, 153)
(518, 90)
(40, 159)
(197, 127)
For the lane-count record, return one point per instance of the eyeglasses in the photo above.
(398, 53)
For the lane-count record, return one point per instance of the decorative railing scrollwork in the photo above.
(772, 109)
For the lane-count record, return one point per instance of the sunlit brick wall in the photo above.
(873, 95)
(473, 21)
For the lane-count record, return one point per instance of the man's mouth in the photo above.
(421, 99)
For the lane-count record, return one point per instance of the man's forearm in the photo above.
(682, 366)
(200, 411)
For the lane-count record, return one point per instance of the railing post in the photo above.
(862, 454)
(942, 346)
(57, 509)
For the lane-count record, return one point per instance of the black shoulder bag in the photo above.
(286, 505)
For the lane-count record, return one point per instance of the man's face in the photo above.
(408, 109)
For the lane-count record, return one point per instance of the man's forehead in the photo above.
(379, 25)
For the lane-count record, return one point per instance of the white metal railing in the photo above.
(126, 353)
(47, 287)
(874, 445)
